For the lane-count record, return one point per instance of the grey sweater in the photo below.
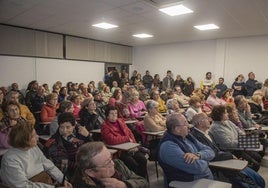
(225, 134)
(18, 166)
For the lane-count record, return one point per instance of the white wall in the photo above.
(223, 57)
(22, 70)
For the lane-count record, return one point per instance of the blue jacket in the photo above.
(171, 158)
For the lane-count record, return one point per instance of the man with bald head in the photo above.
(181, 156)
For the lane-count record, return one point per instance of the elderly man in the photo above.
(181, 156)
(245, 177)
(96, 169)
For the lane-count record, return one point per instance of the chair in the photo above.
(153, 156)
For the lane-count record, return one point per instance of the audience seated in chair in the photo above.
(153, 120)
(200, 132)
(89, 117)
(226, 135)
(11, 118)
(96, 168)
(24, 110)
(25, 165)
(181, 156)
(61, 148)
(65, 106)
(194, 108)
(115, 131)
(161, 103)
(48, 111)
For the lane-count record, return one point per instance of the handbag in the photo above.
(249, 141)
(42, 177)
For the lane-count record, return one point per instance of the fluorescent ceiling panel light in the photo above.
(176, 10)
(206, 27)
(142, 35)
(104, 25)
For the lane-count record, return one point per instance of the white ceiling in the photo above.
(75, 17)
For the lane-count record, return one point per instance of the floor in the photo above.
(159, 182)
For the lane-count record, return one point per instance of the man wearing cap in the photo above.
(181, 156)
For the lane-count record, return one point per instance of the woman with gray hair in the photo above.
(173, 106)
(154, 121)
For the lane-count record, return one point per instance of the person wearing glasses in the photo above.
(12, 116)
(96, 169)
(181, 156)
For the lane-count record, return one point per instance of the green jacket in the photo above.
(129, 177)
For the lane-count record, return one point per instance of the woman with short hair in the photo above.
(61, 148)
(24, 165)
(11, 118)
(115, 131)
(226, 135)
(48, 111)
(153, 121)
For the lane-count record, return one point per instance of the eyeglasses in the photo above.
(205, 118)
(108, 163)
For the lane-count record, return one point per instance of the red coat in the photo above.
(48, 113)
(112, 136)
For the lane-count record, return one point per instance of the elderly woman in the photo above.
(222, 129)
(122, 107)
(62, 146)
(136, 106)
(48, 111)
(161, 103)
(11, 118)
(24, 110)
(173, 106)
(115, 131)
(153, 121)
(226, 135)
(195, 107)
(24, 165)
(89, 116)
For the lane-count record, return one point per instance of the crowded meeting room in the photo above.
(133, 93)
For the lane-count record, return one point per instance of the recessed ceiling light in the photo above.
(142, 35)
(104, 25)
(206, 27)
(176, 10)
